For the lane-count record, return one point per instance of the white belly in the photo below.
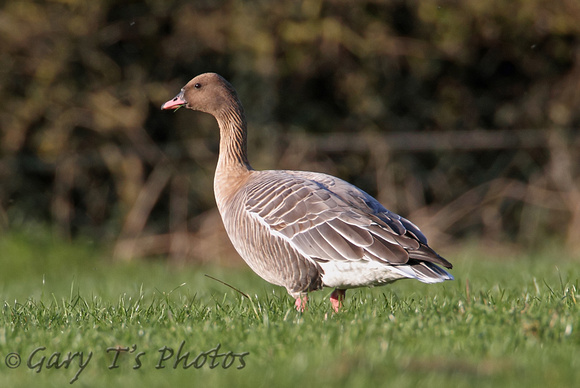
(351, 274)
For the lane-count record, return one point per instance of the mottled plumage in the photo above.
(304, 230)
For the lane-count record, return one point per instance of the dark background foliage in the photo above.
(461, 115)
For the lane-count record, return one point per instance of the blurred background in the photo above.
(462, 116)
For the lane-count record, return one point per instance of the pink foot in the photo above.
(301, 302)
(336, 299)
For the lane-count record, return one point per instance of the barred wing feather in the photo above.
(328, 219)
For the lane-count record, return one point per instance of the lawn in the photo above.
(72, 315)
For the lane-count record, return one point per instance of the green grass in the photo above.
(504, 321)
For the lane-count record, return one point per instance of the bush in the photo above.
(484, 94)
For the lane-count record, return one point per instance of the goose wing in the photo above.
(326, 218)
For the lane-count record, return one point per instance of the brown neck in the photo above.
(233, 139)
(233, 168)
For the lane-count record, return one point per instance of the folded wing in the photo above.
(327, 219)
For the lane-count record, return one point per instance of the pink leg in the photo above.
(300, 303)
(336, 299)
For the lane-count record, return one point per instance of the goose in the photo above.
(304, 230)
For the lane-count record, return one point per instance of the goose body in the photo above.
(304, 230)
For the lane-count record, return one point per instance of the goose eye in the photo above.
(197, 86)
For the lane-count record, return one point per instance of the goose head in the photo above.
(209, 93)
